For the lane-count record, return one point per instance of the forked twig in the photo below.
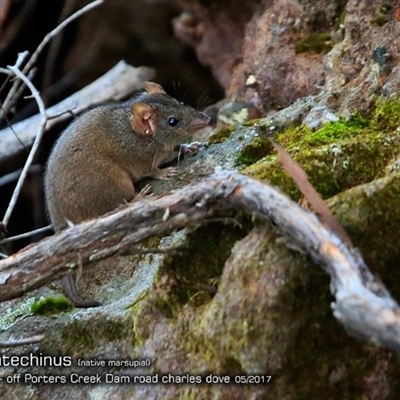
(35, 146)
(10, 99)
(362, 303)
(24, 77)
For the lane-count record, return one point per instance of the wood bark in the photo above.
(362, 303)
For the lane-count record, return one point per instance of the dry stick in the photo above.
(362, 304)
(21, 89)
(117, 83)
(13, 176)
(10, 99)
(312, 196)
(35, 146)
(20, 59)
(8, 102)
(5, 71)
(27, 234)
(22, 342)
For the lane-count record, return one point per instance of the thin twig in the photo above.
(4, 106)
(26, 234)
(300, 177)
(70, 111)
(9, 74)
(22, 342)
(35, 146)
(362, 303)
(55, 31)
(9, 102)
(21, 89)
(117, 83)
(13, 176)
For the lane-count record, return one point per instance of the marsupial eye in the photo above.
(172, 121)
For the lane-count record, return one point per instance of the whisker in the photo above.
(151, 143)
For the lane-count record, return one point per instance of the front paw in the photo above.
(166, 173)
(145, 192)
(190, 148)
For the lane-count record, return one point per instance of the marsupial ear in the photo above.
(143, 119)
(152, 88)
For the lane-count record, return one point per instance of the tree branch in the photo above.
(117, 83)
(22, 342)
(36, 143)
(11, 98)
(362, 304)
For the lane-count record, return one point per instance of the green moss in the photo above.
(221, 135)
(252, 122)
(315, 43)
(10, 316)
(334, 131)
(338, 156)
(372, 220)
(197, 268)
(190, 277)
(333, 168)
(254, 151)
(386, 116)
(78, 337)
(51, 305)
(326, 350)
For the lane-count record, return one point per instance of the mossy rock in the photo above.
(221, 135)
(51, 305)
(315, 43)
(338, 156)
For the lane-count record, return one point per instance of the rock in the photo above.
(240, 301)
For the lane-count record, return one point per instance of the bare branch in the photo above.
(11, 98)
(362, 304)
(4, 108)
(26, 234)
(22, 342)
(5, 71)
(13, 176)
(312, 196)
(117, 83)
(35, 146)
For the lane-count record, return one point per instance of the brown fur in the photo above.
(98, 158)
